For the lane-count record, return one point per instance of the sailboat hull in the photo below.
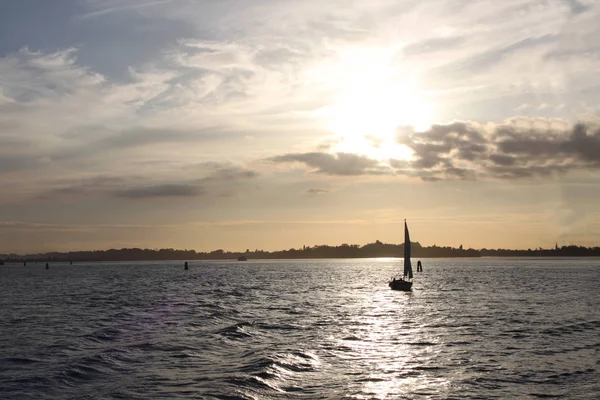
(401, 285)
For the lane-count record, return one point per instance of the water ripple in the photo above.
(319, 329)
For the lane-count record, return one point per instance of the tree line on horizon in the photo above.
(370, 250)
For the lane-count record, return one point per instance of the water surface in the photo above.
(318, 329)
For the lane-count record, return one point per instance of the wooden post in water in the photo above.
(185, 265)
(47, 266)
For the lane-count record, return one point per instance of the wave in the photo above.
(240, 333)
(236, 331)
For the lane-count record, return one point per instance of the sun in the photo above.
(373, 100)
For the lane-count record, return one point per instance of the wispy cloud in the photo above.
(205, 179)
(432, 45)
(103, 8)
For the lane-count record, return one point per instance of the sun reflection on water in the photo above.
(390, 350)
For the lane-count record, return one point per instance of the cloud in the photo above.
(109, 7)
(164, 190)
(316, 191)
(202, 179)
(224, 172)
(100, 185)
(346, 164)
(577, 7)
(432, 45)
(515, 149)
(518, 148)
(480, 62)
(207, 86)
(503, 160)
(276, 58)
(28, 75)
(60, 118)
(137, 140)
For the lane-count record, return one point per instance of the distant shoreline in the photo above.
(371, 250)
(233, 260)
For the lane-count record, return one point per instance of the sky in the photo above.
(271, 124)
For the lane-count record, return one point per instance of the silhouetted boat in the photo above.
(242, 258)
(405, 281)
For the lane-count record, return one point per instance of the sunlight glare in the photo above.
(374, 100)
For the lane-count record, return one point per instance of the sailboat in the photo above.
(405, 281)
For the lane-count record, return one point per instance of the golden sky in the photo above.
(276, 124)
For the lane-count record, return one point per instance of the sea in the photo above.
(479, 328)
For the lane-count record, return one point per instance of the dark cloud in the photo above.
(334, 164)
(517, 149)
(222, 172)
(164, 190)
(531, 146)
(436, 146)
(317, 191)
(97, 185)
(577, 7)
(502, 160)
(584, 145)
(468, 151)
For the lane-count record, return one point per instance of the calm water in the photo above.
(322, 329)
